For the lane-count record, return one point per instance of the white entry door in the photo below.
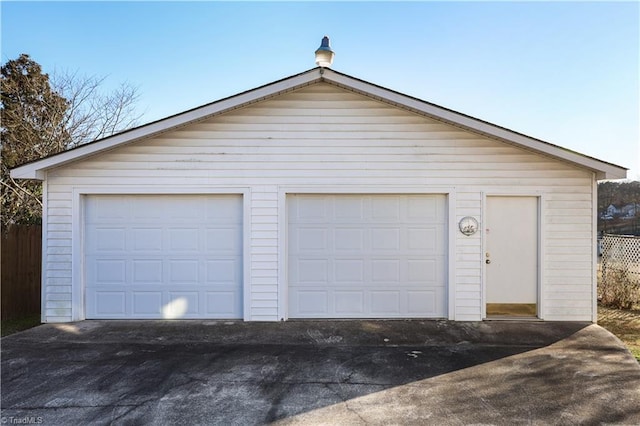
(163, 256)
(512, 256)
(366, 256)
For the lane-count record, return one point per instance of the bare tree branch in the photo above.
(43, 116)
(14, 188)
(91, 114)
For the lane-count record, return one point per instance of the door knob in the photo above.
(488, 261)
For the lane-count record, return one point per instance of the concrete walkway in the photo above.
(318, 372)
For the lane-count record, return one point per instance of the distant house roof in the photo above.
(37, 169)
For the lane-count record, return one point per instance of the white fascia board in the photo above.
(603, 169)
(37, 169)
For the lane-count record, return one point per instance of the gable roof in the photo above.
(37, 169)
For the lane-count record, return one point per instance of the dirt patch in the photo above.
(625, 324)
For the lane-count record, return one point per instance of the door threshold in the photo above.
(511, 318)
(510, 310)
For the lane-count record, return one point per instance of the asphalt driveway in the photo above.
(318, 372)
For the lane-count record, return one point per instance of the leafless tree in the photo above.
(92, 114)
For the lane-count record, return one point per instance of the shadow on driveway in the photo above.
(319, 372)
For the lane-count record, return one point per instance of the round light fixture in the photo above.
(468, 225)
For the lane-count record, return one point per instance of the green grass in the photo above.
(8, 327)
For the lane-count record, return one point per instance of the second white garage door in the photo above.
(163, 256)
(366, 256)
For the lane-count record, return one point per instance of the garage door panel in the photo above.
(366, 256)
(168, 269)
(147, 239)
(108, 271)
(311, 209)
(148, 209)
(427, 238)
(183, 240)
(385, 208)
(349, 271)
(424, 270)
(223, 304)
(385, 303)
(224, 213)
(183, 271)
(181, 304)
(385, 271)
(191, 208)
(224, 240)
(146, 303)
(374, 272)
(431, 209)
(349, 239)
(310, 271)
(349, 302)
(311, 239)
(313, 303)
(383, 239)
(107, 303)
(223, 271)
(102, 208)
(107, 239)
(367, 303)
(351, 209)
(147, 271)
(421, 301)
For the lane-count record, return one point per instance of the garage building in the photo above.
(319, 196)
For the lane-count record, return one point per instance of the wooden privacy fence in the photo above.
(20, 271)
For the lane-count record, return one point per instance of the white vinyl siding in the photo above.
(325, 136)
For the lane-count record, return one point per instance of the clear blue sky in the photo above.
(565, 72)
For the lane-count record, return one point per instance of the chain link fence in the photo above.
(620, 282)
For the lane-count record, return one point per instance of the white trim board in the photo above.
(449, 192)
(540, 196)
(77, 238)
(594, 255)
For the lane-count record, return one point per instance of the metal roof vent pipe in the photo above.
(324, 54)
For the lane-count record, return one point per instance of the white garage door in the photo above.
(163, 256)
(366, 256)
